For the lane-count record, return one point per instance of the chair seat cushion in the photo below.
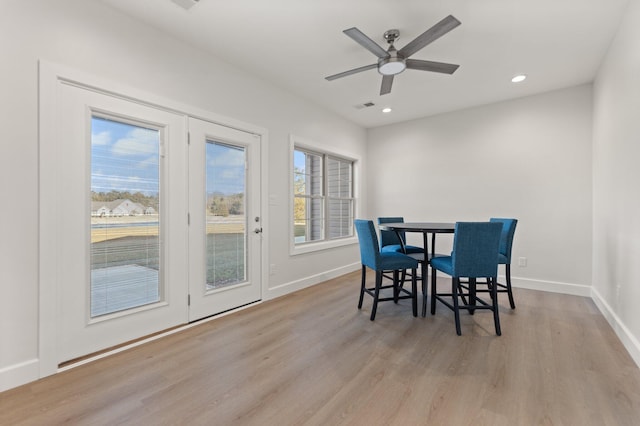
(443, 263)
(393, 261)
(397, 248)
(502, 259)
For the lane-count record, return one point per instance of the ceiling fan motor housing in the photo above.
(393, 64)
(391, 35)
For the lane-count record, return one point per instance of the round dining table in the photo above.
(425, 228)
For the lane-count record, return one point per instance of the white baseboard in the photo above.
(19, 374)
(296, 285)
(631, 344)
(551, 286)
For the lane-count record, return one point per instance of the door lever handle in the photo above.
(257, 230)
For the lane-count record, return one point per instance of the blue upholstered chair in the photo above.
(504, 258)
(373, 258)
(389, 240)
(475, 255)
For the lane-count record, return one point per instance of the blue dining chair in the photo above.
(504, 258)
(475, 255)
(390, 241)
(371, 257)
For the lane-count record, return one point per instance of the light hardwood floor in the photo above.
(312, 358)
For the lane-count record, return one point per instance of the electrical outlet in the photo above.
(272, 269)
(522, 262)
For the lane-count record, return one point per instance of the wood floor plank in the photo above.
(313, 358)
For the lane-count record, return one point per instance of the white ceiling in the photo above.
(294, 44)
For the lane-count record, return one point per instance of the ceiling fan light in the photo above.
(392, 66)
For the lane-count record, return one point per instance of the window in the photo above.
(125, 221)
(323, 196)
(226, 186)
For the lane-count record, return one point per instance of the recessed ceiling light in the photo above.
(386, 110)
(518, 78)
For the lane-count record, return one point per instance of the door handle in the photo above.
(257, 230)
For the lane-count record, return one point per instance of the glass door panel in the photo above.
(226, 230)
(125, 221)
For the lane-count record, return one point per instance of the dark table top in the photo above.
(431, 227)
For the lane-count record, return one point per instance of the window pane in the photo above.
(307, 171)
(309, 230)
(339, 177)
(308, 219)
(226, 219)
(125, 225)
(340, 218)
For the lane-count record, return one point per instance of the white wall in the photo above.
(90, 37)
(616, 151)
(529, 159)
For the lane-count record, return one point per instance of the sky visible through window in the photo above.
(299, 161)
(125, 157)
(225, 168)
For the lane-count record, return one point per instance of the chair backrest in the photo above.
(475, 249)
(506, 238)
(389, 238)
(369, 250)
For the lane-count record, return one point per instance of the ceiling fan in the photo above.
(392, 61)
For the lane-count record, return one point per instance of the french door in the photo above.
(121, 212)
(225, 231)
(152, 229)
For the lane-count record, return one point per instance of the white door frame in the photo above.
(51, 76)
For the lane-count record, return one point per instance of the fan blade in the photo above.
(353, 71)
(362, 39)
(417, 64)
(432, 34)
(387, 82)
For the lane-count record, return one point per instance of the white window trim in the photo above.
(311, 246)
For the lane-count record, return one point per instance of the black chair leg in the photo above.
(496, 315)
(433, 295)
(509, 292)
(414, 292)
(455, 282)
(362, 286)
(396, 285)
(472, 294)
(376, 294)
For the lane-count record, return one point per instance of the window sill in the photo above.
(321, 245)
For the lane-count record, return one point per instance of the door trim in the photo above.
(50, 77)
